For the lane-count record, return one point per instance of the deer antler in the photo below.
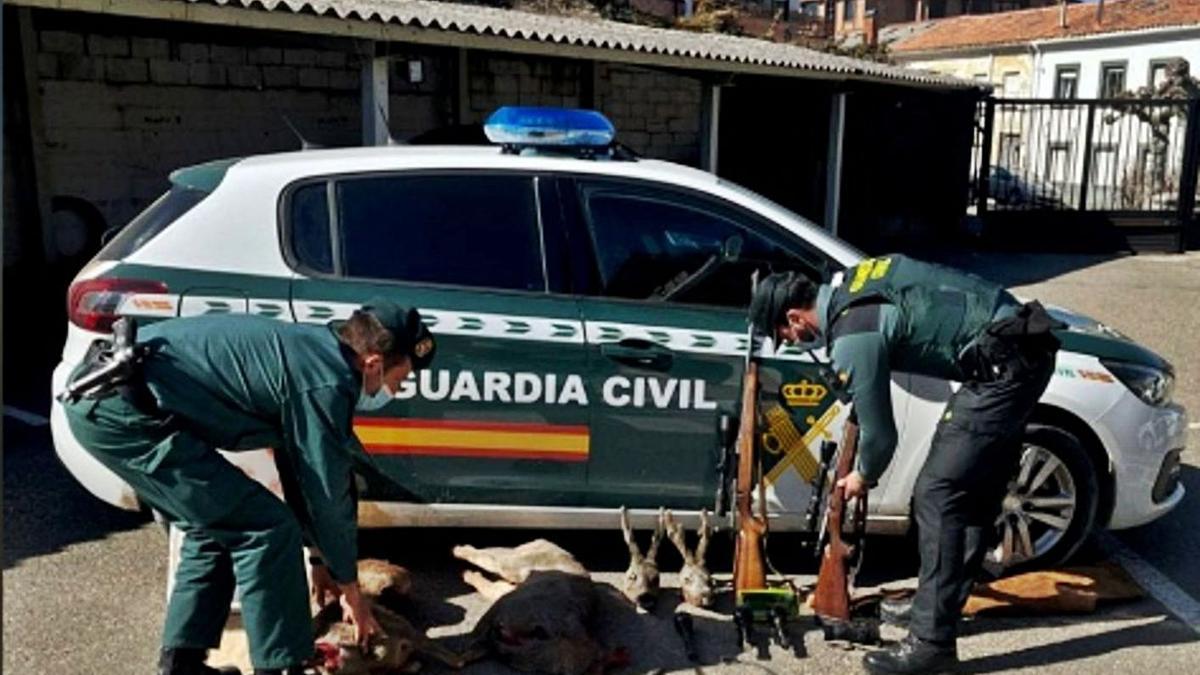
(634, 552)
(655, 540)
(705, 530)
(676, 535)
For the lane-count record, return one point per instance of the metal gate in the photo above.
(1088, 173)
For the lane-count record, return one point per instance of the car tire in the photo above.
(1051, 504)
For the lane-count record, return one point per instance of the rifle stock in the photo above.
(831, 598)
(749, 572)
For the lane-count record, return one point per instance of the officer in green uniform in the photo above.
(896, 313)
(240, 383)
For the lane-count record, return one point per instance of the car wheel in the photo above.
(1051, 503)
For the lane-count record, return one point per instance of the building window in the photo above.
(1058, 156)
(811, 10)
(850, 11)
(1104, 165)
(1066, 81)
(1010, 151)
(1158, 71)
(1112, 79)
(1011, 82)
(1154, 165)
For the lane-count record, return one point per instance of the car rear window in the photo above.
(189, 187)
(310, 234)
(462, 229)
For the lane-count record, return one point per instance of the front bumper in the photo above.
(1143, 441)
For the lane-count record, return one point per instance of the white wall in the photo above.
(1137, 50)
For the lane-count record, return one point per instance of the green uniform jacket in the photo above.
(927, 315)
(243, 383)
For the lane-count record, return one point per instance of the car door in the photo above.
(665, 320)
(501, 416)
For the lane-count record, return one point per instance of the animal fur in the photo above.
(546, 624)
(396, 650)
(544, 613)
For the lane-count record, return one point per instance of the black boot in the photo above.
(912, 655)
(189, 661)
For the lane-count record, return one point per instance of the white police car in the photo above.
(590, 312)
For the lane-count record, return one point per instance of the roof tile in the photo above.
(975, 30)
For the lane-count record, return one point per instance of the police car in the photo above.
(590, 312)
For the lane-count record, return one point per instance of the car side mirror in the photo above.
(731, 250)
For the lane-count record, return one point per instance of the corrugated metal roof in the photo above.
(594, 33)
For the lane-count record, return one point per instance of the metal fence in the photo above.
(1127, 159)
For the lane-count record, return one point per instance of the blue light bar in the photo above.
(526, 127)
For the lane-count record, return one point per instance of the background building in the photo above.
(1098, 53)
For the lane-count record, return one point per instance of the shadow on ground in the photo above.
(1172, 539)
(1165, 631)
(45, 509)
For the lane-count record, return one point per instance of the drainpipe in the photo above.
(1035, 84)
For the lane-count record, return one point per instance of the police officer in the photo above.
(896, 313)
(240, 383)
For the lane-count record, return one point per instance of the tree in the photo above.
(1159, 108)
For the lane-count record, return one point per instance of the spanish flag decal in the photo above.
(486, 440)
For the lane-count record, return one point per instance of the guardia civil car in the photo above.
(590, 313)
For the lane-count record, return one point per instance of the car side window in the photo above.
(309, 234)
(664, 245)
(458, 229)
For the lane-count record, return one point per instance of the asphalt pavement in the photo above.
(84, 583)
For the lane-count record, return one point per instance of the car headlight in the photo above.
(1152, 385)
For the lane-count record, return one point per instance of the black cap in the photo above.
(775, 295)
(404, 323)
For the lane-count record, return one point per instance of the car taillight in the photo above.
(92, 303)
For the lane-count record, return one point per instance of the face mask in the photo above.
(368, 402)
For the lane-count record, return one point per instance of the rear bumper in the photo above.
(91, 474)
(106, 485)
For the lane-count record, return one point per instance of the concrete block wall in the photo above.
(496, 80)
(125, 102)
(422, 100)
(656, 113)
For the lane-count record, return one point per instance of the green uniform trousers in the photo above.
(236, 531)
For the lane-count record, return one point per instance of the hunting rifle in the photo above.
(755, 600)
(749, 572)
(839, 560)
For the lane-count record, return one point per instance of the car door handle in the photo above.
(639, 353)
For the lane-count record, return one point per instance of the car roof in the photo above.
(379, 158)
